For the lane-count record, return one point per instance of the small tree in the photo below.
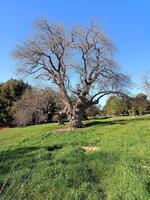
(146, 84)
(141, 103)
(113, 106)
(79, 61)
(10, 92)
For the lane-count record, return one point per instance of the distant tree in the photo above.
(10, 91)
(137, 105)
(115, 106)
(36, 106)
(140, 103)
(56, 54)
(93, 111)
(146, 84)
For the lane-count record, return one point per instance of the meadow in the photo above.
(108, 160)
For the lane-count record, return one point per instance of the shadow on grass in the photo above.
(115, 121)
(14, 159)
(90, 167)
(93, 123)
(24, 157)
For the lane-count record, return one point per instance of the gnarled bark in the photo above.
(76, 114)
(75, 120)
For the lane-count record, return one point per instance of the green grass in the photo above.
(42, 163)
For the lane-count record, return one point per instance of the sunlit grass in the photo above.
(40, 162)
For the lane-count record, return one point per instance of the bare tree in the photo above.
(146, 84)
(36, 106)
(79, 61)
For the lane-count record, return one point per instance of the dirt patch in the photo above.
(62, 130)
(91, 148)
(4, 129)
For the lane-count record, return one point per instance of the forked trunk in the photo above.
(75, 118)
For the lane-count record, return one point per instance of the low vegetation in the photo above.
(109, 160)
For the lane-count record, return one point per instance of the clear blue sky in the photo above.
(126, 21)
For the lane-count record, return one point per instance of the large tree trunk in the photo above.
(75, 117)
(75, 121)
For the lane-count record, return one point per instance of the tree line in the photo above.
(137, 105)
(21, 105)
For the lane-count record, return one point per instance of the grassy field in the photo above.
(109, 160)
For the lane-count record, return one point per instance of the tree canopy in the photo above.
(80, 61)
(10, 91)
